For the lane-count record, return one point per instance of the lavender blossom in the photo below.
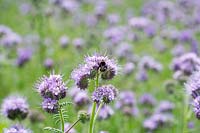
(15, 107)
(52, 87)
(105, 94)
(50, 105)
(17, 129)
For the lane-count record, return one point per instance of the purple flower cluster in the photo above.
(52, 89)
(105, 94)
(79, 97)
(185, 65)
(193, 89)
(50, 105)
(17, 129)
(15, 107)
(106, 67)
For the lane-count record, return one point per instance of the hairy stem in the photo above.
(99, 108)
(91, 128)
(92, 117)
(61, 119)
(72, 125)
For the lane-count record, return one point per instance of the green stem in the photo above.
(99, 108)
(72, 125)
(186, 113)
(91, 128)
(61, 119)
(92, 117)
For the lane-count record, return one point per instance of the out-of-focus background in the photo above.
(148, 38)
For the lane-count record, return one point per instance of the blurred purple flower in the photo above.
(48, 63)
(24, 55)
(147, 99)
(105, 112)
(17, 129)
(15, 107)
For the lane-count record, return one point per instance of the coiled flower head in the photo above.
(105, 94)
(50, 105)
(102, 65)
(17, 129)
(15, 107)
(196, 107)
(106, 66)
(52, 87)
(193, 85)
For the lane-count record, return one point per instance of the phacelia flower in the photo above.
(81, 76)
(193, 85)
(17, 129)
(50, 105)
(52, 87)
(106, 68)
(106, 94)
(15, 107)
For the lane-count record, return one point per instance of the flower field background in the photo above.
(147, 39)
